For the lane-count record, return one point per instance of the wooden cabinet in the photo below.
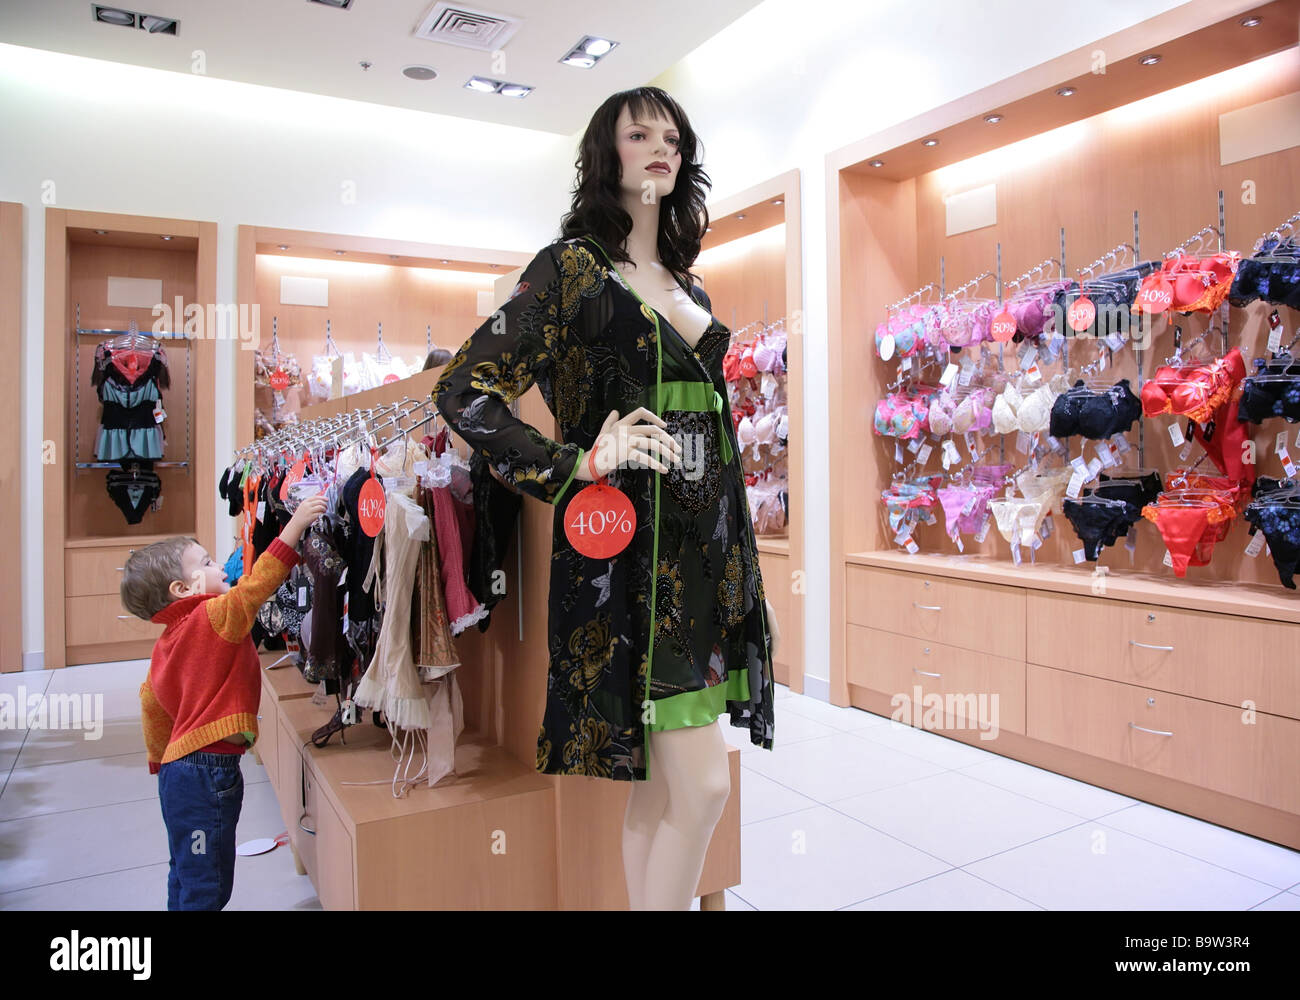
(95, 571)
(100, 618)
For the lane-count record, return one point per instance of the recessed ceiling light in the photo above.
(589, 51)
(740, 216)
(582, 62)
(876, 163)
(1150, 60)
(993, 119)
(598, 46)
(158, 25)
(446, 262)
(1066, 91)
(284, 246)
(483, 85)
(1250, 22)
(419, 72)
(111, 15)
(930, 142)
(515, 90)
(340, 252)
(340, 4)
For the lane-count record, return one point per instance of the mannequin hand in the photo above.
(772, 626)
(626, 442)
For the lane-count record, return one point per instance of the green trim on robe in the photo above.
(699, 708)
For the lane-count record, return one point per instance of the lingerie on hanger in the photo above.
(1194, 391)
(134, 488)
(1273, 391)
(1272, 274)
(1094, 415)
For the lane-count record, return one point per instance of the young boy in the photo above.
(199, 703)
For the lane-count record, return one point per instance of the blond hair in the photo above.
(149, 573)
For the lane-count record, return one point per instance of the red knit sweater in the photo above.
(205, 680)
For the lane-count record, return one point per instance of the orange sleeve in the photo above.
(157, 726)
(232, 614)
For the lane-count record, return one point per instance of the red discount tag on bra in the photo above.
(390, 378)
(599, 521)
(370, 507)
(1004, 327)
(1156, 294)
(1081, 314)
(279, 380)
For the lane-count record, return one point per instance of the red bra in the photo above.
(1193, 391)
(1199, 284)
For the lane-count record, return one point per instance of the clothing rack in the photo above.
(1198, 238)
(1286, 226)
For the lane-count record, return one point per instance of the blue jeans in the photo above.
(201, 795)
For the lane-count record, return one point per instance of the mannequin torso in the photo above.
(656, 285)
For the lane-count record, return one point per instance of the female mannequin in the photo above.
(629, 360)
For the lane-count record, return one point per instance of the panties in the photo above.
(1019, 519)
(1095, 415)
(1281, 526)
(1190, 532)
(964, 507)
(1193, 391)
(1224, 439)
(133, 492)
(1098, 521)
(1116, 506)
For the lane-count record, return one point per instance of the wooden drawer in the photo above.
(979, 616)
(268, 732)
(898, 665)
(101, 618)
(331, 873)
(1211, 746)
(94, 571)
(1222, 658)
(291, 791)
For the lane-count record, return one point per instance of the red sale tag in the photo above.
(390, 378)
(599, 521)
(1004, 327)
(1081, 314)
(279, 380)
(296, 473)
(1156, 295)
(370, 507)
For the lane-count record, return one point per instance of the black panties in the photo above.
(1095, 415)
(133, 492)
(1098, 524)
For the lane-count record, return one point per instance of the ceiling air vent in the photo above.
(467, 27)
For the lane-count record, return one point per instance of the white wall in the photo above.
(792, 81)
(777, 89)
(117, 138)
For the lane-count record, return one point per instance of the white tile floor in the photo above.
(848, 812)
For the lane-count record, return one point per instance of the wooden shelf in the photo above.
(1244, 599)
(777, 546)
(100, 541)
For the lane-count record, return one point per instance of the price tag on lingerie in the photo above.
(599, 521)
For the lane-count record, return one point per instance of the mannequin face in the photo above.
(201, 575)
(645, 141)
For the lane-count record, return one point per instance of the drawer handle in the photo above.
(121, 569)
(1147, 645)
(927, 607)
(303, 828)
(1154, 732)
(120, 617)
(925, 673)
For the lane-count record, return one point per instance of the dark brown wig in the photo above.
(597, 210)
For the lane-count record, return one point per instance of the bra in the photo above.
(1095, 415)
(1194, 391)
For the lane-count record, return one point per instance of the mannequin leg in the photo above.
(645, 809)
(694, 762)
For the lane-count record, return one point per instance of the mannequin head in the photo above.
(628, 132)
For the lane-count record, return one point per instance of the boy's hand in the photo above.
(308, 511)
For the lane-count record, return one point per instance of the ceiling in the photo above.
(306, 46)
